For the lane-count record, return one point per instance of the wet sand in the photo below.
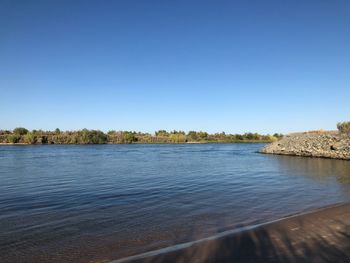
(318, 236)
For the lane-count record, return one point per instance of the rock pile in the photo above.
(312, 144)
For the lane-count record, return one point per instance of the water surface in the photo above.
(102, 202)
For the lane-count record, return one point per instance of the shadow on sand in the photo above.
(321, 236)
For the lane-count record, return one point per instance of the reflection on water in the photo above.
(317, 168)
(101, 202)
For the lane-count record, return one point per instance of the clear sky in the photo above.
(233, 66)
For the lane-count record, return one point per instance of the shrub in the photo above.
(86, 136)
(13, 138)
(30, 138)
(177, 138)
(44, 140)
(129, 137)
(344, 127)
(278, 135)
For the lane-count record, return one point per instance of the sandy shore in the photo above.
(318, 236)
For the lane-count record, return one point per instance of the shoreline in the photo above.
(320, 235)
(307, 156)
(135, 143)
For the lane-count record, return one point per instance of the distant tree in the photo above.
(4, 132)
(30, 138)
(249, 136)
(20, 131)
(239, 137)
(98, 137)
(13, 138)
(44, 140)
(278, 135)
(202, 135)
(86, 136)
(129, 137)
(177, 138)
(162, 133)
(192, 135)
(177, 132)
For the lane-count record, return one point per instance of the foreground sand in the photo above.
(320, 236)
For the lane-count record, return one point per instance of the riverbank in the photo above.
(85, 136)
(323, 144)
(152, 143)
(318, 236)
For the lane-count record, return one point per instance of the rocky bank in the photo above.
(312, 144)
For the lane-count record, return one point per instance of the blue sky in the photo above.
(233, 66)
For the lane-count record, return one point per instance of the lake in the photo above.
(95, 203)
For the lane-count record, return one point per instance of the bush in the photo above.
(44, 140)
(278, 135)
(86, 136)
(13, 138)
(129, 137)
(344, 127)
(30, 138)
(177, 138)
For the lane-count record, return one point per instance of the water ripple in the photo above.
(110, 201)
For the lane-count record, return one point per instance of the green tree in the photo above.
(162, 133)
(129, 137)
(20, 131)
(13, 138)
(177, 132)
(86, 136)
(192, 135)
(239, 137)
(249, 136)
(30, 138)
(98, 137)
(278, 135)
(111, 132)
(202, 135)
(177, 138)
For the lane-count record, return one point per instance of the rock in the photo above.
(327, 145)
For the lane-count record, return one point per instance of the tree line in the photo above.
(22, 135)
